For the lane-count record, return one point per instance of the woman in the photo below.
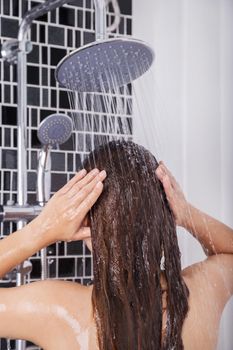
(136, 302)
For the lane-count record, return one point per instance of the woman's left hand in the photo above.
(62, 217)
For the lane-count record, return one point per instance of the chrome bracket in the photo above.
(11, 48)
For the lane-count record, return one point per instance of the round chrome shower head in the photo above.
(55, 129)
(104, 65)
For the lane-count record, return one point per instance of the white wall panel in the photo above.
(193, 73)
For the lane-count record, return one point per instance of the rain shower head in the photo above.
(104, 65)
(55, 129)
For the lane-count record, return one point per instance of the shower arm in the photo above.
(100, 20)
(49, 5)
(36, 12)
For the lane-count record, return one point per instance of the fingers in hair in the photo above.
(165, 171)
(77, 177)
(160, 172)
(90, 200)
(78, 185)
(81, 194)
(167, 186)
(87, 179)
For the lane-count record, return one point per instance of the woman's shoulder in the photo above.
(69, 286)
(75, 314)
(212, 277)
(71, 293)
(52, 291)
(62, 309)
(210, 285)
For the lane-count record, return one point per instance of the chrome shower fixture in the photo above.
(10, 50)
(55, 129)
(104, 65)
(12, 47)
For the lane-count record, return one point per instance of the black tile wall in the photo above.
(42, 33)
(6, 7)
(77, 38)
(35, 143)
(56, 36)
(69, 144)
(53, 36)
(9, 27)
(6, 71)
(44, 76)
(125, 7)
(67, 16)
(9, 159)
(80, 18)
(66, 267)
(56, 55)
(36, 270)
(45, 112)
(7, 98)
(57, 181)
(34, 32)
(33, 96)
(54, 83)
(33, 75)
(31, 179)
(33, 56)
(80, 267)
(63, 100)
(58, 161)
(78, 162)
(70, 162)
(44, 55)
(88, 4)
(53, 16)
(89, 37)
(74, 248)
(88, 20)
(7, 138)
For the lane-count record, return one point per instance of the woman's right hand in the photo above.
(176, 199)
(63, 216)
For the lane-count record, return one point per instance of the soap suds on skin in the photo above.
(59, 311)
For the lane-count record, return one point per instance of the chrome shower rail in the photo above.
(25, 25)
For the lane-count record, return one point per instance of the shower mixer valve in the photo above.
(19, 212)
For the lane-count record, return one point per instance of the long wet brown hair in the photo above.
(131, 224)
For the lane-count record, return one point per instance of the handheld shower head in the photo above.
(55, 129)
(104, 65)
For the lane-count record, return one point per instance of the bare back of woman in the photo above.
(71, 325)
